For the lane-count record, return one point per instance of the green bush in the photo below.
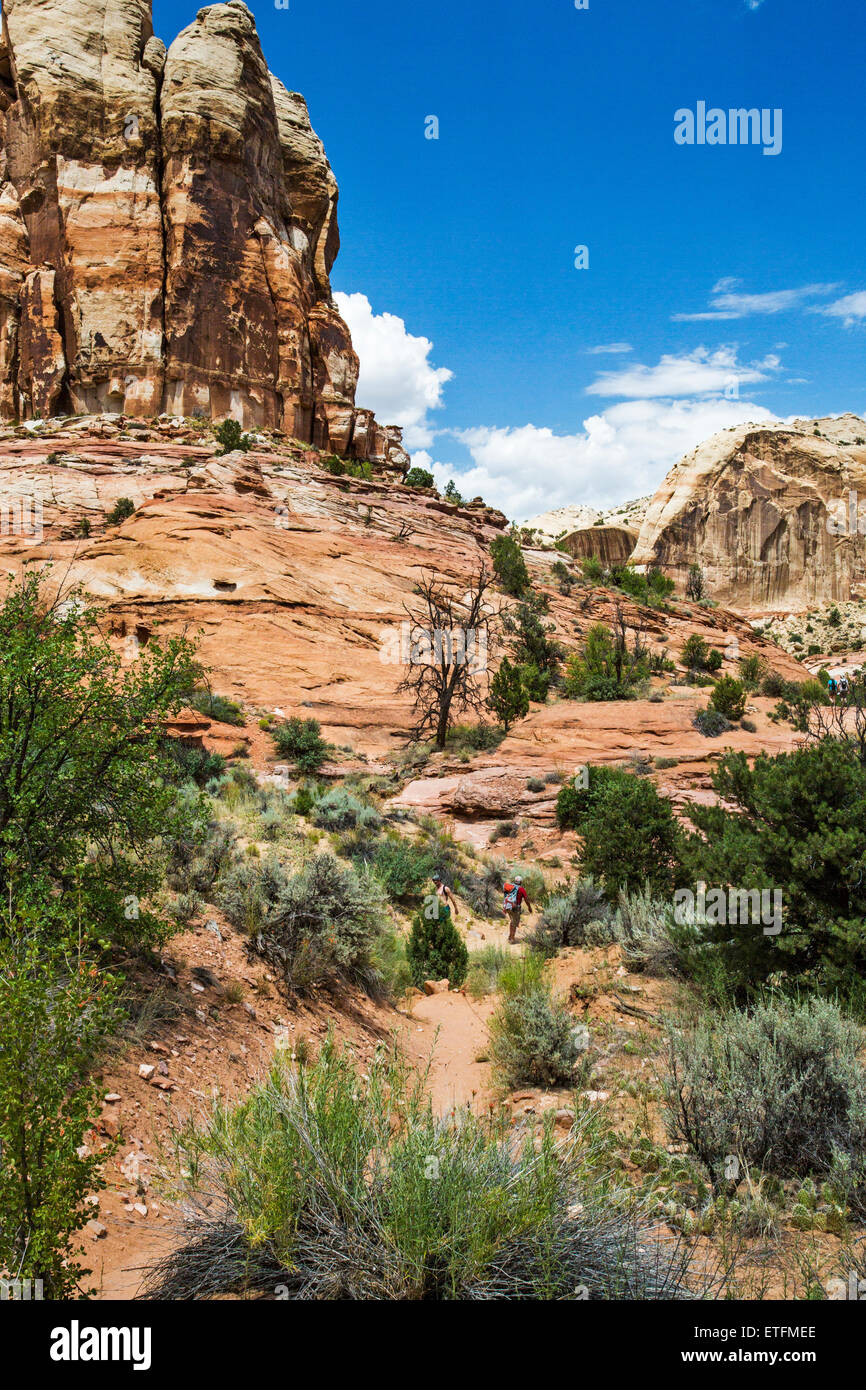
(632, 838)
(711, 722)
(195, 764)
(651, 941)
(485, 969)
(795, 823)
(248, 893)
(323, 927)
(695, 653)
(780, 1088)
(752, 671)
(577, 916)
(729, 698)
(509, 566)
(230, 437)
(574, 803)
(337, 1181)
(606, 669)
(195, 862)
(418, 477)
(436, 950)
(218, 707)
(508, 698)
(340, 810)
(56, 1013)
(124, 507)
(533, 1039)
(300, 740)
(402, 867)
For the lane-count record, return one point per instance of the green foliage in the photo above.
(532, 647)
(780, 1088)
(87, 786)
(320, 927)
(301, 741)
(711, 722)
(752, 671)
(533, 1038)
(230, 437)
(436, 950)
(83, 528)
(729, 697)
(574, 803)
(606, 669)
(576, 914)
(509, 566)
(714, 660)
(452, 494)
(402, 867)
(123, 508)
(508, 698)
(795, 822)
(340, 810)
(695, 652)
(218, 707)
(696, 588)
(593, 569)
(630, 835)
(195, 764)
(336, 1180)
(418, 477)
(55, 1013)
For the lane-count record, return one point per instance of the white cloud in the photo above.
(397, 379)
(851, 308)
(609, 347)
(698, 373)
(623, 453)
(726, 302)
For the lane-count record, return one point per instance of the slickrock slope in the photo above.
(168, 223)
(764, 510)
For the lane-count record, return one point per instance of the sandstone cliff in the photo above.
(168, 223)
(766, 511)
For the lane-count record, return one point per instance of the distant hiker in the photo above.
(513, 899)
(444, 894)
(831, 688)
(842, 687)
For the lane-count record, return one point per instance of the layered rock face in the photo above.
(612, 545)
(168, 223)
(774, 514)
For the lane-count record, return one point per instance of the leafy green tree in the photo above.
(508, 698)
(452, 494)
(418, 477)
(795, 822)
(56, 1011)
(729, 697)
(123, 508)
(532, 647)
(509, 566)
(86, 782)
(231, 437)
(436, 950)
(607, 668)
(631, 838)
(301, 741)
(695, 652)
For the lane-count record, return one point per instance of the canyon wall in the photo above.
(766, 511)
(168, 224)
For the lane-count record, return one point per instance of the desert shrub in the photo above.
(533, 648)
(230, 437)
(574, 803)
(729, 698)
(418, 477)
(485, 968)
(695, 652)
(337, 1181)
(340, 810)
(304, 800)
(323, 927)
(532, 1039)
(508, 697)
(535, 784)
(248, 893)
(195, 764)
(390, 964)
(579, 915)
(795, 823)
(606, 668)
(56, 1013)
(474, 737)
(300, 740)
(194, 862)
(696, 588)
(780, 1088)
(218, 707)
(773, 684)
(402, 867)
(483, 891)
(652, 943)
(123, 508)
(749, 726)
(509, 566)
(752, 670)
(711, 722)
(436, 950)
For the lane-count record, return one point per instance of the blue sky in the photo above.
(731, 283)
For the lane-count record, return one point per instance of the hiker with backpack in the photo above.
(842, 687)
(831, 689)
(444, 894)
(514, 896)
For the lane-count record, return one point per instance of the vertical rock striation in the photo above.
(168, 224)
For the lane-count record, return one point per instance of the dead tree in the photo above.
(444, 648)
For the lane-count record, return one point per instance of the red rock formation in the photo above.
(168, 223)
